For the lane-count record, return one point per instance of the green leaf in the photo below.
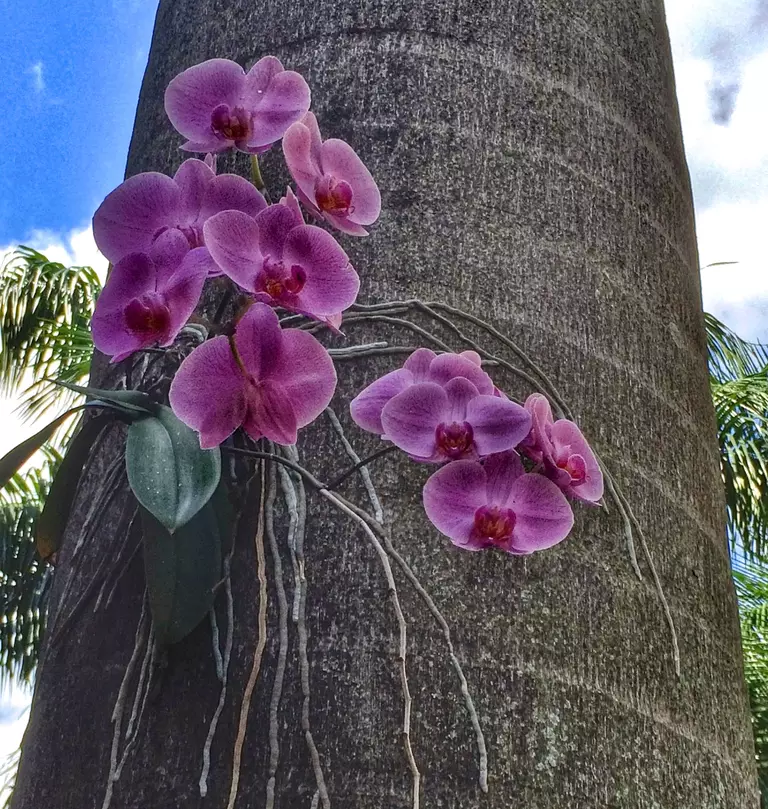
(134, 401)
(53, 519)
(12, 461)
(169, 474)
(182, 570)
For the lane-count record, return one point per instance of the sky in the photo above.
(66, 129)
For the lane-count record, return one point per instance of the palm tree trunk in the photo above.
(532, 170)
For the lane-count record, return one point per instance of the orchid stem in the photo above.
(257, 179)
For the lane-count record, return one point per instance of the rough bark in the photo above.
(532, 169)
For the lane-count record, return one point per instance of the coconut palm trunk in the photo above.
(532, 170)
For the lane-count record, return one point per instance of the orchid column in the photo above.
(532, 173)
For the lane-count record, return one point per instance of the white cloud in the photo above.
(38, 79)
(74, 248)
(727, 151)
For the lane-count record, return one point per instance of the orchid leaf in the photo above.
(134, 401)
(168, 472)
(182, 570)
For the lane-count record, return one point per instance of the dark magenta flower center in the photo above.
(230, 123)
(494, 524)
(148, 315)
(280, 282)
(333, 196)
(575, 466)
(454, 440)
(193, 235)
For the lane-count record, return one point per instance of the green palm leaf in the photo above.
(739, 386)
(45, 312)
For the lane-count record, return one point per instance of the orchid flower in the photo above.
(439, 423)
(147, 205)
(217, 105)
(267, 380)
(149, 297)
(496, 504)
(298, 267)
(562, 451)
(331, 179)
(422, 366)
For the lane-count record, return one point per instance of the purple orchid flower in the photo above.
(217, 105)
(439, 423)
(496, 504)
(562, 451)
(422, 366)
(331, 179)
(147, 205)
(298, 267)
(268, 380)
(148, 298)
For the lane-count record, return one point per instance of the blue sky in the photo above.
(70, 74)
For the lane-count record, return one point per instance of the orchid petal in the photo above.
(284, 101)
(130, 217)
(270, 414)
(192, 96)
(297, 149)
(339, 159)
(232, 237)
(274, 225)
(411, 418)
(331, 282)
(565, 433)
(498, 424)
(258, 338)
(207, 392)
(167, 252)
(306, 373)
(230, 192)
(543, 516)
(193, 178)
(448, 366)
(366, 407)
(452, 496)
(419, 364)
(183, 289)
(502, 470)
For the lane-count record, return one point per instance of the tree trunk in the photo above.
(532, 172)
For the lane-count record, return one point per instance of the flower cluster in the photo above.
(166, 235)
(505, 468)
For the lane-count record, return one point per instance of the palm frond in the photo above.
(739, 385)
(24, 578)
(751, 581)
(45, 312)
(729, 356)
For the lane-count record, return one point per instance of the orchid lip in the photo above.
(454, 440)
(493, 524)
(147, 315)
(230, 124)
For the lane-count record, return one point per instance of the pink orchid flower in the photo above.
(331, 179)
(217, 105)
(298, 267)
(439, 423)
(422, 366)
(562, 451)
(148, 298)
(496, 504)
(147, 205)
(267, 380)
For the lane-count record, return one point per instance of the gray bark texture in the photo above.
(532, 169)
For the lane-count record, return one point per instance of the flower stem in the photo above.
(364, 462)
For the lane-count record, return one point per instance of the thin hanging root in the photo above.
(301, 628)
(365, 473)
(407, 701)
(292, 504)
(120, 704)
(438, 616)
(315, 800)
(282, 614)
(417, 585)
(260, 646)
(203, 782)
